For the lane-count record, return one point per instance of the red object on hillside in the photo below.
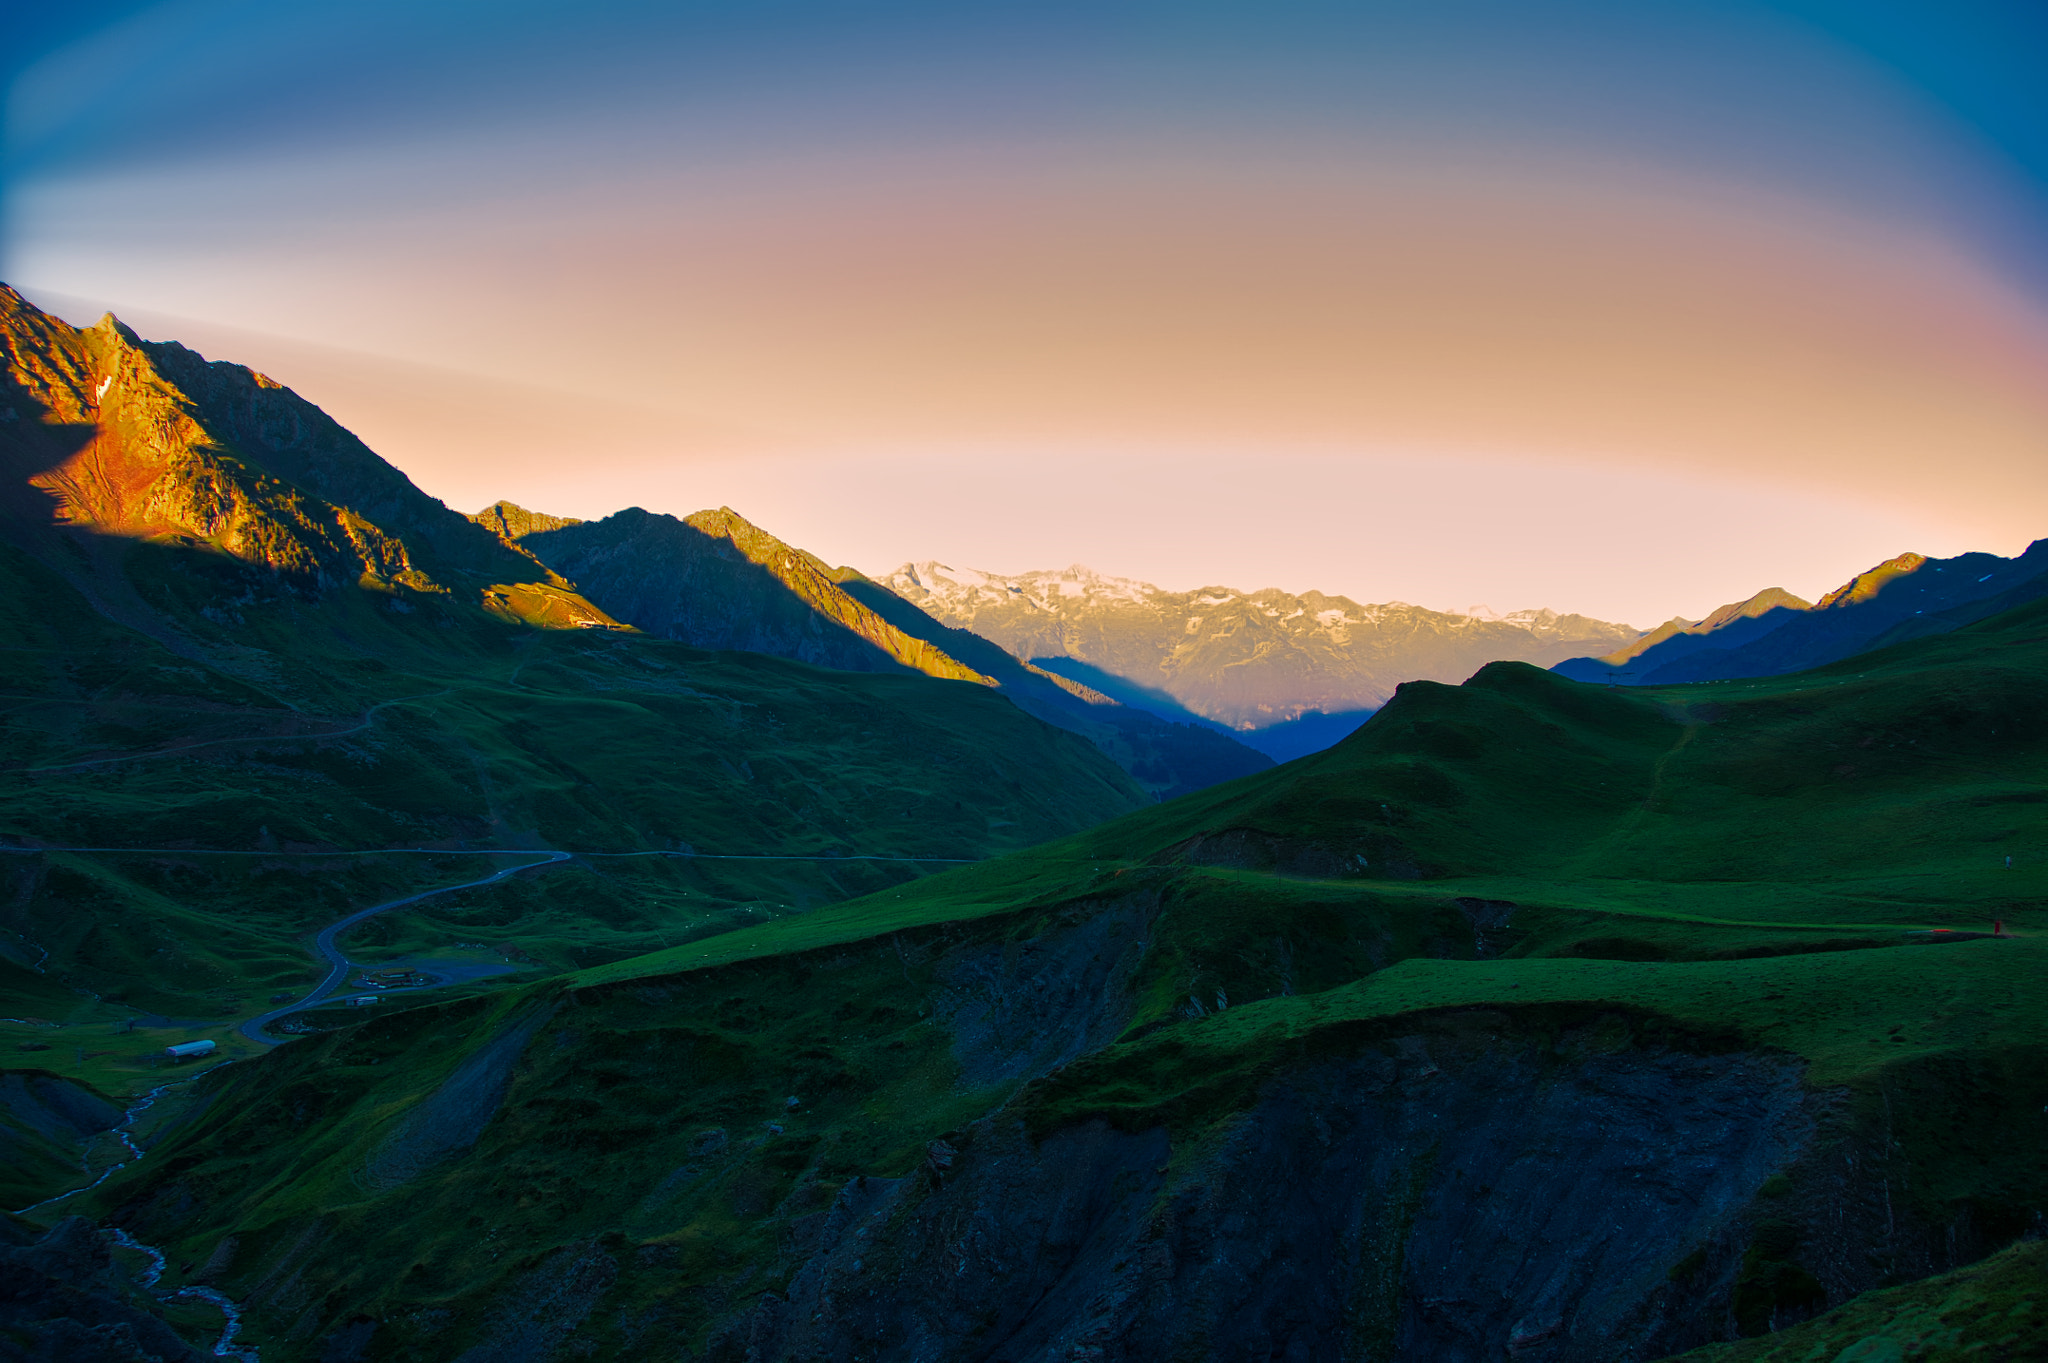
(1998, 927)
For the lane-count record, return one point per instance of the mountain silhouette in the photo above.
(1774, 632)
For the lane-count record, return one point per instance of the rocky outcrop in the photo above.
(63, 1300)
(454, 1114)
(1019, 1009)
(1461, 1192)
(512, 521)
(105, 432)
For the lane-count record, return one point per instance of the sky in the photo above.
(1614, 308)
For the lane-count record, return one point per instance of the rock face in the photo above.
(1774, 632)
(1454, 1196)
(512, 521)
(43, 1119)
(106, 432)
(62, 1300)
(1244, 660)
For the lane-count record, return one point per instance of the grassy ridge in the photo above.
(1884, 793)
(1989, 1310)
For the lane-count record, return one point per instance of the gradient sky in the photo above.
(1622, 308)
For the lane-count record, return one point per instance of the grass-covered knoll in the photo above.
(1995, 1310)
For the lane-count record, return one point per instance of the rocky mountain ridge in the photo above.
(716, 580)
(122, 439)
(1247, 660)
(512, 521)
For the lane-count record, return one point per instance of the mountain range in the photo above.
(1246, 661)
(1774, 632)
(715, 580)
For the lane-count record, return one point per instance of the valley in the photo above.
(1382, 973)
(784, 965)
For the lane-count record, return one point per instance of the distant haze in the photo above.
(1621, 310)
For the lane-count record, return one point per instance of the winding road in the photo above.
(369, 717)
(338, 964)
(324, 943)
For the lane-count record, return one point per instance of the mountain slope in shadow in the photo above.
(715, 580)
(1774, 632)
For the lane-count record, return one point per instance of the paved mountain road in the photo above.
(324, 943)
(338, 965)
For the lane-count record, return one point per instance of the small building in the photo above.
(391, 979)
(359, 1001)
(185, 1048)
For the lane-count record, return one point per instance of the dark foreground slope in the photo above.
(1534, 1020)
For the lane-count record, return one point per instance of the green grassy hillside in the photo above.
(1885, 792)
(265, 797)
(1518, 866)
(257, 681)
(1990, 1310)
